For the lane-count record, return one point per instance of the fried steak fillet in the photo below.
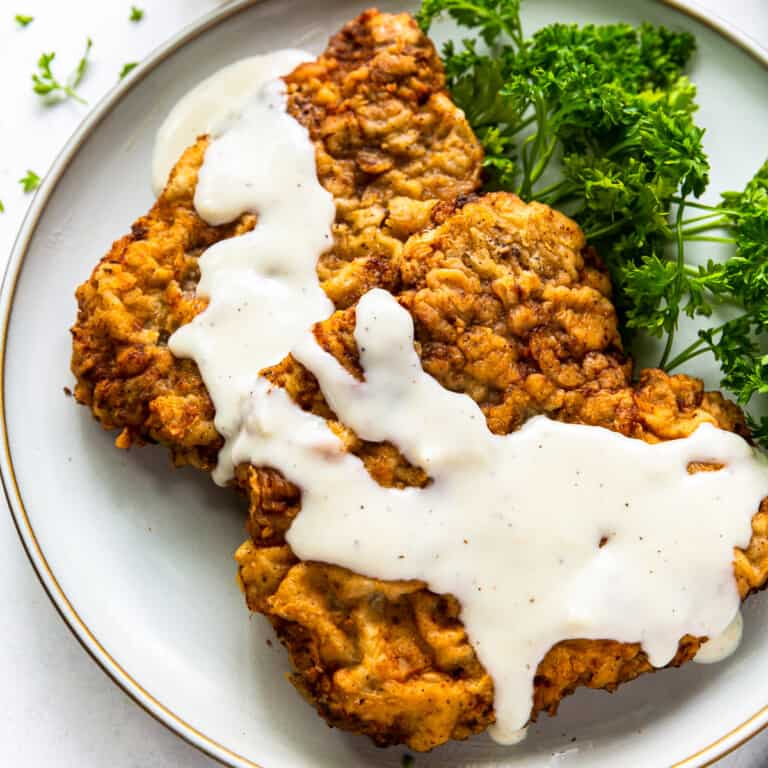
(389, 144)
(512, 308)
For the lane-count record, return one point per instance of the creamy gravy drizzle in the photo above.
(262, 287)
(511, 525)
(721, 647)
(214, 100)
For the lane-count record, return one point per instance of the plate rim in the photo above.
(706, 756)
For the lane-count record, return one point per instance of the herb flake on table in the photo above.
(30, 182)
(128, 68)
(137, 14)
(22, 20)
(46, 85)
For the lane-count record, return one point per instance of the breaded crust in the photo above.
(511, 307)
(137, 296)
(389, 144)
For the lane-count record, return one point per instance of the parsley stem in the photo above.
(556, 194)
(524, 188)
(621, 146)
(556, 187)
(515, 33)
(73, 94)
(543, 163)
(667, 348)
(563, 198)
(707, 239)
(490, 121)
(694, 350)
(699, 206)
(703, 217)
(523, 124)
(603, 231)
(534, 161)
(679, 281)
(720, 223)
(507, 131)
(713, 209)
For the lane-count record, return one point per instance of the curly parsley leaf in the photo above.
(646, 286)
(30, 182)
(492, 18)
(46, 84)
(742, 280)
(735, 345)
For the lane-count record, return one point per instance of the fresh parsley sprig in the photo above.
(46, 84)
(741, 281)
(491, 17)
(30, 182)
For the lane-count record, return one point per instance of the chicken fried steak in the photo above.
(512, 308)
(389, 145)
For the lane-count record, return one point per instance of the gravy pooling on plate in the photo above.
(552, 532)
(208, 105)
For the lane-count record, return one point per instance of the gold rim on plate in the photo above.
(706, 756)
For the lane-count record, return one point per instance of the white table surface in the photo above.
(56, 706)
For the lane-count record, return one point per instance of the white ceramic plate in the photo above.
(137, 558)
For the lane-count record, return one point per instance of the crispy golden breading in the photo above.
(138, 295)
(389, 144)
(511, 307)
(389, 141)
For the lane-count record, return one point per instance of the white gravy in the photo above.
(212, 101)
(556, 531)
(721, 647)
(511, 525)
(262, 287)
